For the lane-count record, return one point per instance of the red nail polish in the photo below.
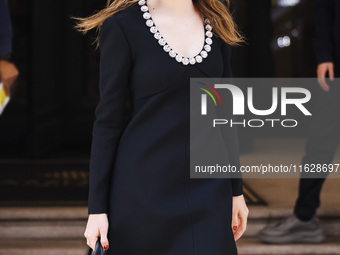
(106, 247)
(234, 227)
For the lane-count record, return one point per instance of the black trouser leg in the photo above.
(323, 138)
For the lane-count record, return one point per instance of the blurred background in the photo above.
(45, 131)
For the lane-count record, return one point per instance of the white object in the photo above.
(166, 47)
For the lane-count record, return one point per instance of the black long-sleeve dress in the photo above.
(139, 167)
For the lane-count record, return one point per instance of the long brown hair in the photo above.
(219, 16)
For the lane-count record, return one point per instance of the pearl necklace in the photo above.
(166, 47)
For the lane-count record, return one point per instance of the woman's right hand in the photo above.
(97, 225)
(323, 69)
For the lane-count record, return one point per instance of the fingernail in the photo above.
(106, 247)
(234, 227)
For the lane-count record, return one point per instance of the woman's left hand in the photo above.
(240, 215)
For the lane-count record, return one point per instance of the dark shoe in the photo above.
(292, 230)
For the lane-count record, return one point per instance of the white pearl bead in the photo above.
(166, 48)
(198, 59)
(208, 40)
(172, 53)
(153, 29)
(208, 27)
(185, 61)
(209, 34)
(146, 15)
(149, 23)
(141, 2)
(157, 36)
(192, 61)
(178, 58)
(161, 41)
(204, 54)
(207, 48)
(144, 8)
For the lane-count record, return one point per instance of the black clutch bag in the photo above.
(98, 249)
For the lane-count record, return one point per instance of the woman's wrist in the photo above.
(240, 195)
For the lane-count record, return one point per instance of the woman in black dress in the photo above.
(142, 200)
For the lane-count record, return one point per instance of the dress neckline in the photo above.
(167, 48)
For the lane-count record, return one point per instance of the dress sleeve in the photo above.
(114, 70)
(231, 134)
(324, 20)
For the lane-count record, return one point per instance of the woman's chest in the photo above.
(155, 70)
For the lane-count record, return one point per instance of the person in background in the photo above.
(324, 132)
(8, 70)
